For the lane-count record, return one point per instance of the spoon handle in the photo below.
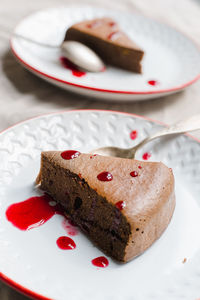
(190, 124)
(15, 34)
(36, 42)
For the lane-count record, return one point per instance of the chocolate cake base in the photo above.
(101, 221)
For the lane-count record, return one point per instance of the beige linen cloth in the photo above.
(23, 95)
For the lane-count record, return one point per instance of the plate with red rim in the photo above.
(171, 61)
(34, 261)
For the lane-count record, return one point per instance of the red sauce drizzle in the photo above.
(93, 156)
(65, 243)
(133, 134)
(114, 35)
(153, 82)
(111, 24)
(120, 204)
(105, 176)
(146, 155)
(70, 154)
(70, 66)
(95, 24)
(32, 212)
(100, 262)
(134, 174)
(70, 229)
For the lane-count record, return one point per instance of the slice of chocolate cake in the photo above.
(123, 205)
(106, 38)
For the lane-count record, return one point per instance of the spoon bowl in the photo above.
(82, 56)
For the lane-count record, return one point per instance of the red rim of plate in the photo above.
(38, 72)
(8, 280)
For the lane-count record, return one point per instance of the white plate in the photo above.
(170, 58)
(31, 261)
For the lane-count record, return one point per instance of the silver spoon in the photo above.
(193, 123)
(79, 54)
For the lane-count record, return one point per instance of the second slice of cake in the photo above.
(105, 37)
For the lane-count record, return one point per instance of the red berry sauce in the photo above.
(152, 82)
(100, 262)
(65, 243)
(120, 204)
(32, 212)
(114, 35)
(146, 155)
(105, 176)
(93, 156)
(70, 154)
(68, 65)
(95, 24)
(134, 174)
(69, 228)
(139, 167)
(133, 134)
(111, 24)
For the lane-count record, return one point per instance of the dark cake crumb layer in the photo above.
(102, 222)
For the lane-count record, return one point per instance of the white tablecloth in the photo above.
(23, 95)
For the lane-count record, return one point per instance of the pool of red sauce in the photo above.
(68, 65)
(153, 82)
(32, 212)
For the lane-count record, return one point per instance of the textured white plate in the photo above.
(32, 260)
(170, 58)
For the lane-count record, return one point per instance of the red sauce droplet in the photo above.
(153, 82)
(70, 154)
(111, 24)
(31, 213)
(133, 134)
(114, 35)
(65, 243)
(105, 176)
(146, 156)
(94, 24)
(139, 167)
(120, 204)
(100, 262)
(134, 174)
(70, 229)
(70, 66)
(93, 156)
